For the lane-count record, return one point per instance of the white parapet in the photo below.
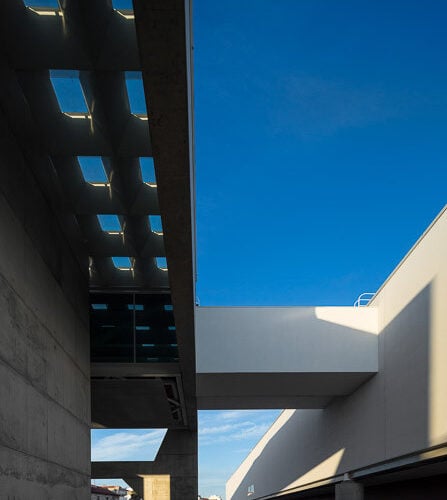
(282, 357)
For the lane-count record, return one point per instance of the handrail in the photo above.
(364, 299)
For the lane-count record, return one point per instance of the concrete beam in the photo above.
(176, 460)
(165, 45)
(283, 357)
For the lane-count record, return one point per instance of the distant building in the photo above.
(101, 493)
(124, 493)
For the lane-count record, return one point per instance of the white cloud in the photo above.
(126, 445)
(232, 432)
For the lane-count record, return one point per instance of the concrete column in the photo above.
(157, 487)
(178, 458)
(136, 483)
(349, 490)
(171, 476)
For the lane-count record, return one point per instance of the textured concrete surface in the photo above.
(44, 366)
(349, 490)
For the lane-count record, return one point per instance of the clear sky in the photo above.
(321, 157)
(320, 143)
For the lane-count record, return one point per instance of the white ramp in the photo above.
(282, 357)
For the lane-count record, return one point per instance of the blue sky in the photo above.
(321, 158)
(320, 142)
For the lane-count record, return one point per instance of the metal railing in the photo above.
(364, 299)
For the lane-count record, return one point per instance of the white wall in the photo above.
(276, 357)
(403, 409)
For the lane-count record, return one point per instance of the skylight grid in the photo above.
(69, 92)
(110, 223)
(147, 170)
(155, 223)
(93, 169)
(135, 93)
(161, 263)
(122, 263)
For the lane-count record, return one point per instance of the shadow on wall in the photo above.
(282, 357)
(386, 417)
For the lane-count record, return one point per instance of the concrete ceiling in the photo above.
(101, 43)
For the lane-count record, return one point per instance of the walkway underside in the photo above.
(282, 357)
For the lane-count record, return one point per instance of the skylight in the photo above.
(155, 223)
(69, 92)
(122, 263)
(171, 328)
(44, 7)
(99, 307)
(122, 4)
(135, 93)
(168, 307)
(93, 169)
(52, 4)
(109, 223)
(147, 170)
(142, 328)
(135, 307)
(161, 263)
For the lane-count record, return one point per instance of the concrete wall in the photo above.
(44, 345)
(403, 409)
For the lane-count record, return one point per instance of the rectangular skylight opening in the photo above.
(122, 263)
(69, 93)
(171, 328)
(147, 170)
(110, 223)
(162, 263)
(51, 4)
(155, 223)
(135, 307)
(168, 307)
(148, 345)
(44, 7)
(142, 328)
(93, 170)
(135, 93)
(122, 4)
(99, 307)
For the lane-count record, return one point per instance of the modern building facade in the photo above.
(387, 438)
(98, 323)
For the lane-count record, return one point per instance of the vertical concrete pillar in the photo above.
(136, 483)
(349, 490)
(157, 487)
(178, 458)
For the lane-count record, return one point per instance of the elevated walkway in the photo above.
(282, 357)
